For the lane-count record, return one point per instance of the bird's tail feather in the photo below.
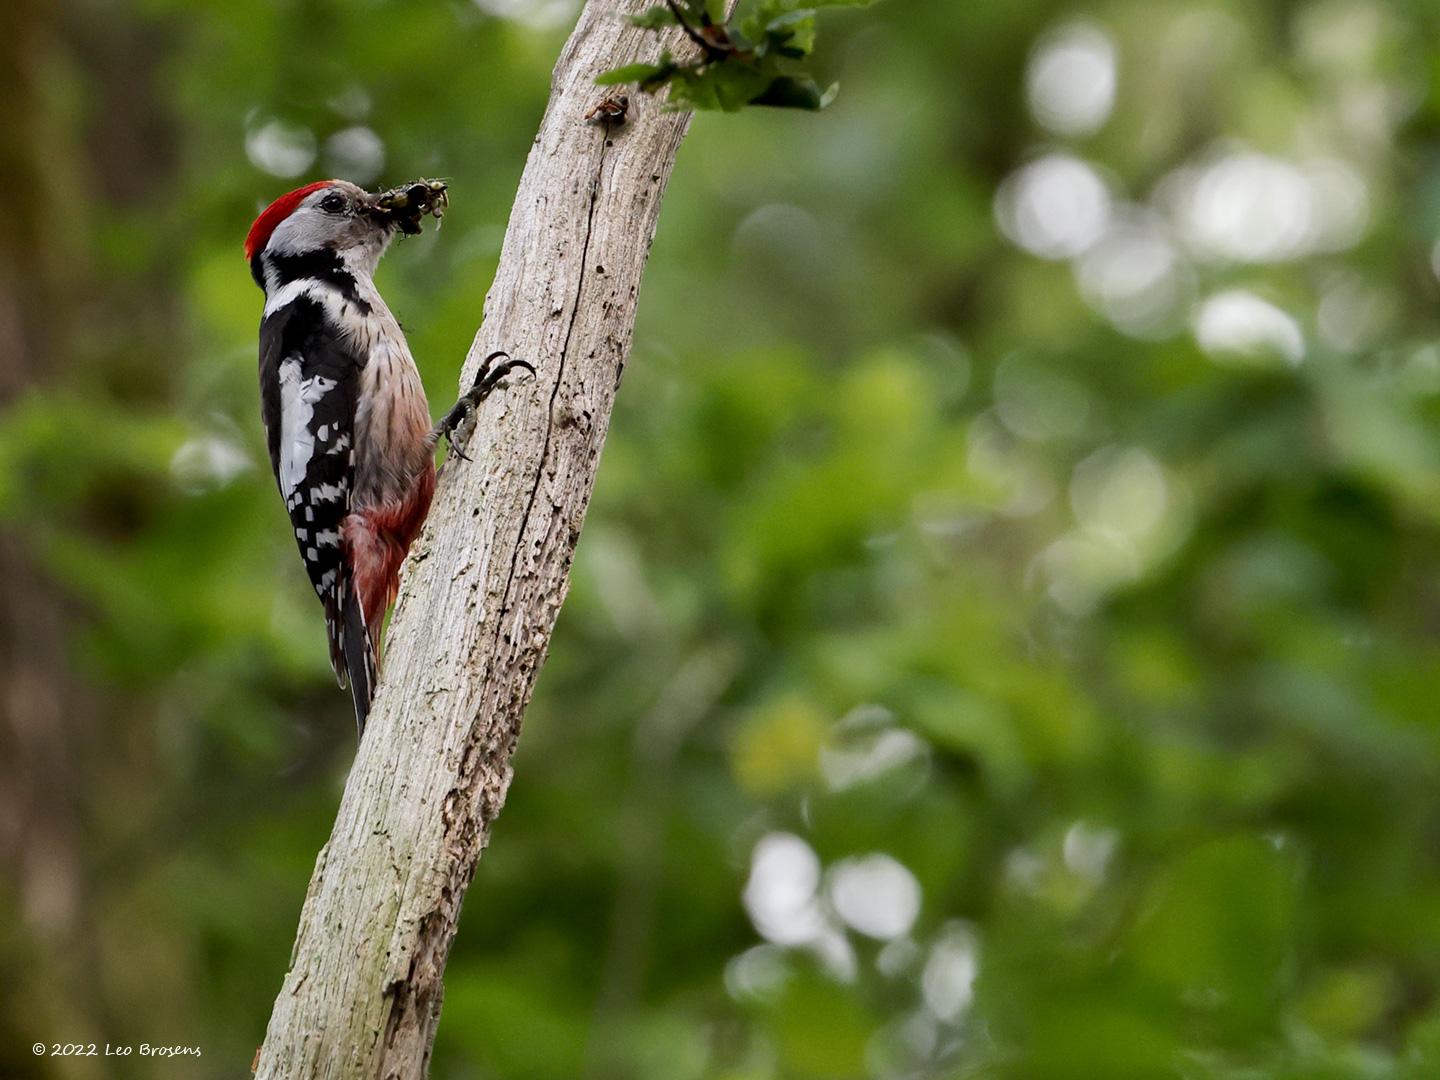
(351, 654)
(359, 657)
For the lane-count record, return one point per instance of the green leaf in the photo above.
(691, 90)
(655, 18)
(736, 85)
(740, 40)
(790, 18)
(792, 34)
(751, 66)
(1220, 920)
(796, 92)
(645, 74)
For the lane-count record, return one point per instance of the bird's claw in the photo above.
(462, 416)
(458, 442)
(487, 378)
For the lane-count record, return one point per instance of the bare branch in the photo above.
(483, 586)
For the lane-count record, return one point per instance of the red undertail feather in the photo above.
(376, 540)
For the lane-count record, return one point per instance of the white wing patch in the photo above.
(297, 441)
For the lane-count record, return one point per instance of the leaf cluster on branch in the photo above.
(755, 58)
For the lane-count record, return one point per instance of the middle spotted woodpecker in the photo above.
(345, 415)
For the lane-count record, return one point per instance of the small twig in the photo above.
(711, 50)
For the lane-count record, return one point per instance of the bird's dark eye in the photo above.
(333, 203)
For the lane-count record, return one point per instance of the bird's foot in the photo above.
(459, 422)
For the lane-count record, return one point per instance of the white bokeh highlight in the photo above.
(1088, 850)
(757, 974)
(1071, 79)
(1055, 207)
(1238, 326)
(948, 982)
(875, 895)
(780, 895)
(1120, 492)
(539, 14)
(782, 898)
(281, 149)
(1137, 279)
(208, 463)
(356, 153)
(1247, 207)
(866, 745)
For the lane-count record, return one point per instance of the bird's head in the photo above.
(338, 217)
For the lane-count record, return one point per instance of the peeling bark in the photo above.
(484, 584)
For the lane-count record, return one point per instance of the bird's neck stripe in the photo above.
(291, 291)
(291, 276)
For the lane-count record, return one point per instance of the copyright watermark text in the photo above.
(41, 1049)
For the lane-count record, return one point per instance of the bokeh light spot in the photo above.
(356, 154)
(875, 895)
(281, 149)
(1237, 324)
(781, 892)
(1055, 207)
(1071, 79)
(948, 983)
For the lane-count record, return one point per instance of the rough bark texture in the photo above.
(484, 585)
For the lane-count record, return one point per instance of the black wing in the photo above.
(309, 384)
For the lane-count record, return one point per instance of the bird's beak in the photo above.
(403, 207)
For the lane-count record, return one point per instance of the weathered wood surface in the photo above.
(483, 586)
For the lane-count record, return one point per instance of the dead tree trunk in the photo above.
(484, 585)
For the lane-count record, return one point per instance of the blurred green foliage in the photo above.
(1004, 640)
(749, 59)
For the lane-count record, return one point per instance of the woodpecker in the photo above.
(349, 431)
